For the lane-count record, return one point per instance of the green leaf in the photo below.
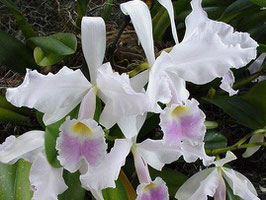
(257, 96)
(74, 191)
(215, 140)
(10, 113)
(52, 49)
(229, 193)
(241, 110)
(7, 181)
(11, 48)
(22, 183)
(14, 181)
(98, 109)
(173, 178)
(51, 134)
(45, 59)
(118, 193)
(24, 26)
(108, 6)
(262, 48)
(82, 6)
(261, 3)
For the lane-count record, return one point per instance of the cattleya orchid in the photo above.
(43, 177)
(57, 94)
(209, 49)
(211, 182)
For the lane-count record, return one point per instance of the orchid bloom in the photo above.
(256, 65)
(57, 94)
(211, 182)
(259, 137)
(43, 177)
(182, 121)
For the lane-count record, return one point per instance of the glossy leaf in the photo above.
(22, 183)
(118, 193)
(261, 3)
(173, 178)
(7, 181)
(11, 48)
(10, 113)
(241, 110)
(257, 96)
(24, 26)
(215, 140)
(52, 49)
(82, 6)
(51, 134)
(74, 191)
(14, 181)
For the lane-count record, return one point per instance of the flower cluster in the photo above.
(209, 50)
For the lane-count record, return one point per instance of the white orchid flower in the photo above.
(57, 94)
(254, 139)
(43, 177)
(255, 67)
(211, 182)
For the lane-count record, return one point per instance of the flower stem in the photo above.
(239, 144)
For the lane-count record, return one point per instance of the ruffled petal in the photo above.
(26, 146)
(53, 94)
(141, 19)
(130, 126)
(46, 182)
(80, 141)
(157, 153)
(119, 97)
(251, 150)
(240, 185)
(93, 39)
(140, 80)
(210, 48)
(165, 86)
(200, 185)
(141, 168)
(105, 174)
(88, 105)
(227, 82)
(169, 7)
(230, 156)
(256, 65)
(154, 190)
(183, 123)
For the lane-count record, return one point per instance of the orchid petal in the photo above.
(140, 80)
(169, 7)
(141, 19)
(193, 152)
(119, 97)
(183, 123)
(141, 168)
(230, 156)
(251, 150)
(88, 105)
(210, 48)
(154, 190)
(26, 146)
(46, 182)
(200, 185)
(130, 126)
(105, 174)
(157, 153)
(240, 185)
(93, 38)
(165, 86)
(256, 65)
(97, 194)
(54, 94)
(80, 141)
(227, 82)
